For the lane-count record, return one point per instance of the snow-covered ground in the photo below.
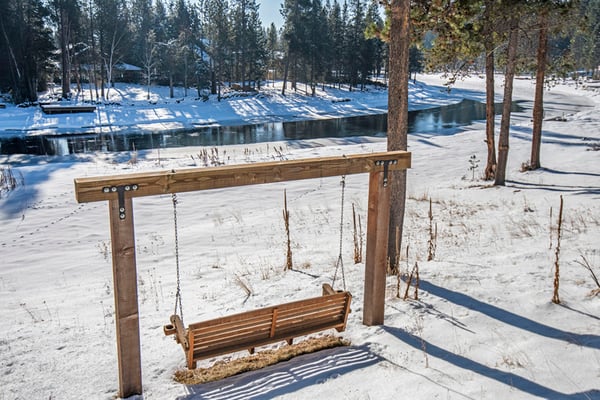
(483, 328)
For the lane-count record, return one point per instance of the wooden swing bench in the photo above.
(251, 329)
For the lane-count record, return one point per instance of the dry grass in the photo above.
(226, 368)
(8, 181)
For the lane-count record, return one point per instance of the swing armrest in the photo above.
(176, 328)
(169, 329)
(327, 290)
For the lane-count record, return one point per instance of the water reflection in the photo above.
(440, 121)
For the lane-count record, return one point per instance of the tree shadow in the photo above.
(286, 377)
(509, 318)
(550, 137)
(508, 378)
(39, 169)
(578, 190)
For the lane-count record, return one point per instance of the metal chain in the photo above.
(178, 292)
(340, 262)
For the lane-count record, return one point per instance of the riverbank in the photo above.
(127, 109)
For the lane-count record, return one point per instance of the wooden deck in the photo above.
(67, 109)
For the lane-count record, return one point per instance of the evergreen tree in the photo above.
(585, 37)
(248, 41)
(273, 52)
(144, 43)
(397, 31)
(315, 54)
(257, 46)
(516, 8)
(27, 45)
(557, 12)
(296, 35)
(66, 16)
(337, 29)
(376, 46)
(355, 59)
(217, 28)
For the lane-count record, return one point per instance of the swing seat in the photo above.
(251, 329)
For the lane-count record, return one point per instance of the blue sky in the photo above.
(269, 12)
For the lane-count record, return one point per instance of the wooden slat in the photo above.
(240, 342)
(312, 314)
(267, 311)
(304, 308)
(306, 328)
(232, 334)
(193, 179)
(226, 323)
(297, 318)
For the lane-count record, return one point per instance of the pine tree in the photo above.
(273, 51)
(144, 43)
(547, 11)
(509, 74)
(336, 28)
(399, 44)
(585, 37)
(27, 44)
(66, 17)
(217, 28)
(248, 42)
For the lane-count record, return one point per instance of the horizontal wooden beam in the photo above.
(193, 179)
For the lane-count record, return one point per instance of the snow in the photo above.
(484, 326)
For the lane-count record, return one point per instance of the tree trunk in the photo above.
(511, 60)
(490, 103)
(64, 54)
(538, 105)
(286, 70)
(398, 115)
(490, 116)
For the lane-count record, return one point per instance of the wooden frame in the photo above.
(120, 190)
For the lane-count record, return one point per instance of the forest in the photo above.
(206, 45)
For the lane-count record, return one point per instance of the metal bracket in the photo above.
(120, 190)
(386, 164)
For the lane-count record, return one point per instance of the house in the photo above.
(128, 73)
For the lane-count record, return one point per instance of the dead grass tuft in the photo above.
(226, 368)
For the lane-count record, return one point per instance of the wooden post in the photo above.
(126, 299)
(377, 246)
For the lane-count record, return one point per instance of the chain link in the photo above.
(178, 292)
(340, 263)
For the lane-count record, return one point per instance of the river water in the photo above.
(442, 120)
